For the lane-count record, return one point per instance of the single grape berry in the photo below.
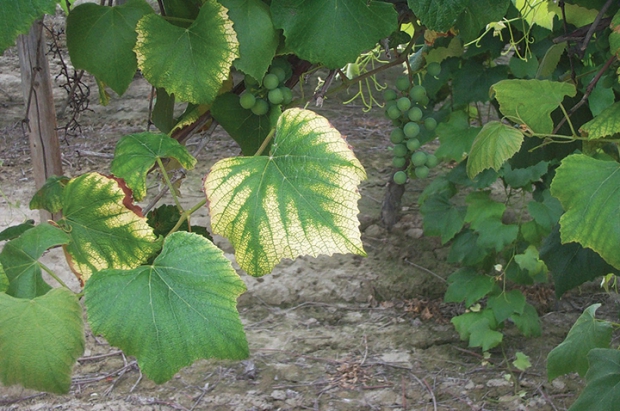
(261, 107)
(421, 172)
(398, 162)
(393, 112)
(402, 83)
(411, 129)
(418, 158)
(431, 161)
(270, 81)
(288, 95)
(433, 69)
(415, 114)
(399, 150)
(397, 136)
(389, 95)
(403, 104)
(413, 144)
(247, 100)
(417, 93)
(430, 123)
(400, 177)
(279, 72)
(275, 96)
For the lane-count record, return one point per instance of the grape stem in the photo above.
(265, 142)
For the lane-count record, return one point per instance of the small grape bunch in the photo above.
(259, 97)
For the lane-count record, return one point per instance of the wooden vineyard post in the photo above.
(40, 120)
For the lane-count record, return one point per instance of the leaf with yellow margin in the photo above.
(301, 199)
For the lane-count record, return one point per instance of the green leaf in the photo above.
(4, 281)
(135, 155)
(458, 175)
(549, 62)
(522, 361)
(173, 312)
(571, 264)
(604, 125)
(506, 304)
(333, 32)
(441, 217)
(163, 111)
(101, 40)
(477, 14)
(481, 207)
(40, 340)
(438, 15)
(530, 261)
(527, 322)
(472, 82)
(245, 127)
(49, 196)
(164, 218)
(107, 230)
(15, 231)
(18, 16)
(493, 234)
(587, 333)
(523, 177)
(191, 63)
(614, 36)
(538, 12)
(482, 335)
(546, 213)
(468, 286)
(531, 102)
(185, 9)
(464, 322)
(495, 144)
(588, 191)
(523, 68)
(465, 249)
(602, 391)
(300, 199)
(258, 39)
(456, 137)
(601, 98)
(19, 259)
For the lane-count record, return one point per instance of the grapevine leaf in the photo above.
(600, 99)
(191, 63)
(588, 191)
(506, 304)
(19, 259)
(40, 340)
(463, 323)
(173, 312)
(546, 213)
(481, 207)
(522, 361)
(523, 68)
(587, 333)
(469, 286)
(538, 12)
(477, 14)
(482, 335)
(465, 249)
(333, 32)
(135, 155)
(258, 40)
(301, 199)
(438, 15)
(4, 281)
(456, 137)
(458, 175)
(530, 261)
(163, 111)
(165, 217)
(603, 125)
(185, 9)
(549, 62)
(523, 177)
(614, 36)
(531, 102)
(571, 264)
(106, 229)
(602, 391)
(472, 82)
(527, 322)
(494, 234)
(18, 16)
(441, 217)
(101, 40)
(15, 231)
(49, 196)
(495, 144)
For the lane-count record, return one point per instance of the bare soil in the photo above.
(328, 333)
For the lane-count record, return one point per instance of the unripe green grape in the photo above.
(433, 69)
(270, 81)
(415, 114)
(417, 93)
(400, 177)
(418, 158)
(430, 123)
(275, 96)
(397, 123)
(279, 72)
(397, 136)
(431, 161)
(411, 129)
(402, 83)
(261, 107)
(421, 172)
(288, 95)
(413, 144)
(403, 104)
(247, 100)
(390, 103)
(393, 112)
(398, 162)
(399, 150)
(389, 95)
(424, 102)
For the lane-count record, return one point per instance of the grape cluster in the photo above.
(259, 97)
(404, 107)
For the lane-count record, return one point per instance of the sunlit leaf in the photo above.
(479, 328)
(49, 196)
(173, 312)
(40, 340)
(530, 261)
(495, 144)
(588, 191)
(540, 12)
(301, 199)
(602, 391)
(522, 361)
(466, 285)
(333, 32)
(190, 63)
(18, 16)
(19, 258)
(605, 124)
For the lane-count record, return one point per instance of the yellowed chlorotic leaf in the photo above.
(300, 199)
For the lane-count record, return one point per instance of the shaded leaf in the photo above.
(522, 361)
(482, 335)
(495, 144)
(15, 231)
(18, 16)
(463, 323)
(438, 15)
(468, 286)
(527, 322)
(165, 217)
(163, 111)
(481, 207)
(523, 177)
(441, 217)
(300, 199)
(465, 249)
(523, 68)
(549, 62)
(40, 340)
(605, 124)
(4, 281)
(477, 14)
(602, 391)
(456, 137)
(587, 333)
(506, 304)
(493, 234)
(49, 196)
(173, 312)
(546, 213)
(530, 261)
(19, 260)
(472, 82)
